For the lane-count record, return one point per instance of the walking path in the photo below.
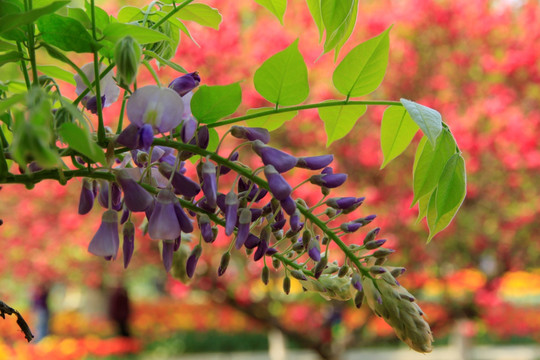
(439, 353)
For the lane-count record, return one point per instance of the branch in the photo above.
(5, 309)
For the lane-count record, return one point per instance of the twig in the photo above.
(5, 309)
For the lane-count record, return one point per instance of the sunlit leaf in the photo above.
(337, 15)
(12, 21)
(276, 7)
(115, 31)
(66, 33)
(362, 70)
(57, 73)
(315, 10)
(429, 120)
(269, 122)
(201, 14)
(211, 103)
(282, 78)
(397, 132)
(452, 186)
(339, 120)
(431, 163)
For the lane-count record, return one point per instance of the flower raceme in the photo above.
(255, 214)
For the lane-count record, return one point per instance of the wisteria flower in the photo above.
(109, 90)
(160, 108)
(106, 240)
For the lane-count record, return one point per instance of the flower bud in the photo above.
(231, 212)
(370, 236)
(382, 252)
(251, 134)
(192, 260)
(265, 275)
(128, 233)
(344, 270)
(321, 265)
(373, 244)
(261, 250)
(209, 185)
(314, 162)
(356, 281)
(86, 200)
(244, 221)
(185, 83)
(398, 271)
(359, 298)
(167, 254)
(377, 270)
(127, 56)
(289, 205)
(276, 263)
(297, 274)
(252, 241)
(287, 285)
(224, 263)
(278, 186)
(280, 160)
(206, 228)
(328, 180)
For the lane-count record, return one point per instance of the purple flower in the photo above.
(366, 220)
(192, 260)
(109, 90)
(261, 250)
(167, 254)
(161, 108)
(86, 200)
(185, 83)
(350, 227)
(373, 244)
(295, 223)
(129, 137)
(163, 223)
(271, 251)
(209, 186)
(278, 186)
(189, 126)
(125, 215)
(252, 241)
(288, 205)
(231, 212)
(146, 136)
(313, 250)
(90, 103)
(177, 243)
(182, 184)
(206, 228)
(314, 162)
(328, 180)
(103, 197)
(128, 245)
(106, 242)
(136, 197)
(278, 225)
(280, 160)
(203, 137)
(356, 282)
(244, 221)
(251, 134)
(185, 222)
(344, 203)
(255, 213)
(223, 170)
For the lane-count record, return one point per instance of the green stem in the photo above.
(152, 72)
(101, 125)
(23, 66)
(303, 107)
(171, 13)
(121, 117)
(31, 46)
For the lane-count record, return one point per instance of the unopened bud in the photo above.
(297, 274)
(344, 270)
(276, 263)
(321, 265)
(127, 56)
(370, 236)
(359, 298)
(224, 263)
(287, 285)
(377, 270)
(382, 252)
(325, 240)
(265, 275)
(373, 244)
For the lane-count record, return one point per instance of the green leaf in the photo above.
(80, 141)
(213, 140)
(81, 16)
(397, 132)
(362, 70)
(57, 54)
(276, 7)
(438, 223)
(282, 78)
(339, 120)
(66, 33)
(165, 61)
(429, 120)
(102, 17)
(201, 14)
(269, 122)
(337, 16)
(7, 46)
(315, 10)
(452, 186)
(12, 56)
(348, 31)
(128, 14)
(12, 21)
(211, 103)
(423, 204)
(115, 31)
(57, 73)
(7, 103)
(431, 163)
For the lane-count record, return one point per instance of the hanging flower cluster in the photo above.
(260, 216)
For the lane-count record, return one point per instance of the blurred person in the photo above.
(120, 310)
(40, 306)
